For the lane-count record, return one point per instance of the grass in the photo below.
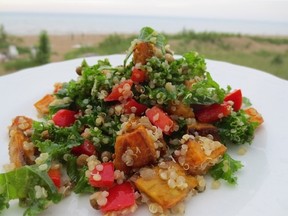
(273, 63)
(268, 54)
(80, 52)
(272, 40)
(19, 64)
(114, 43)
(265, 53)
(205, 36)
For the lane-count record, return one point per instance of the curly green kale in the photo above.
(21, 184)
(4, 202)
(89, 87)
(236, 128)
(167, 82)
(77, 176)
(226, 169)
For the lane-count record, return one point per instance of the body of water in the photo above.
(33, 23)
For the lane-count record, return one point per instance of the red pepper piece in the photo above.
(160, 119)
(120, 92)
(64, 118)
(104, 174)
(120, 197)
(132, 106)
(86, 148)
(55, 175)
(236, 97)
(213, 112)
(138, 75)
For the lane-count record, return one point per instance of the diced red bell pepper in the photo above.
(120, 92)
(86, 147)
(120, 197)
(103, 177)
(213, 113)
(160, 119)
(236, 97)
(132, 106)
(55, 175)
(64, 118)
(138, 75)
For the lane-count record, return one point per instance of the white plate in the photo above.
(262, 184)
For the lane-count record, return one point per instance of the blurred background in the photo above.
(251, 33)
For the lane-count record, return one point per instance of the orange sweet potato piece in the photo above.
(181, 109)
(57, 86)
(254, 116)
(203, 129)
(202, 154)
(142, 52)
(19, 154)
(42, 105)
(134, 150)
(189, 83)
(158, 189)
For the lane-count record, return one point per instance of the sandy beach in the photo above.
(61, 44)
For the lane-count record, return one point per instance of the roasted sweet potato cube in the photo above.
(254, 115)
(20, 154)
(189, 83)
(202, 153)
(142, 52)
(134, 150)
(57, 87)
(203, 129)
(181, 109)
(42, 105)
(157, 187)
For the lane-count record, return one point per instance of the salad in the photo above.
(143, 133)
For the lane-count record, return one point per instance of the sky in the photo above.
(264, 10)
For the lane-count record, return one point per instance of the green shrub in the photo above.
(271, 40)
(43, 50)
(19, 64)
(111, 45)
(80, 52)
(277, 60)
(114, 44)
